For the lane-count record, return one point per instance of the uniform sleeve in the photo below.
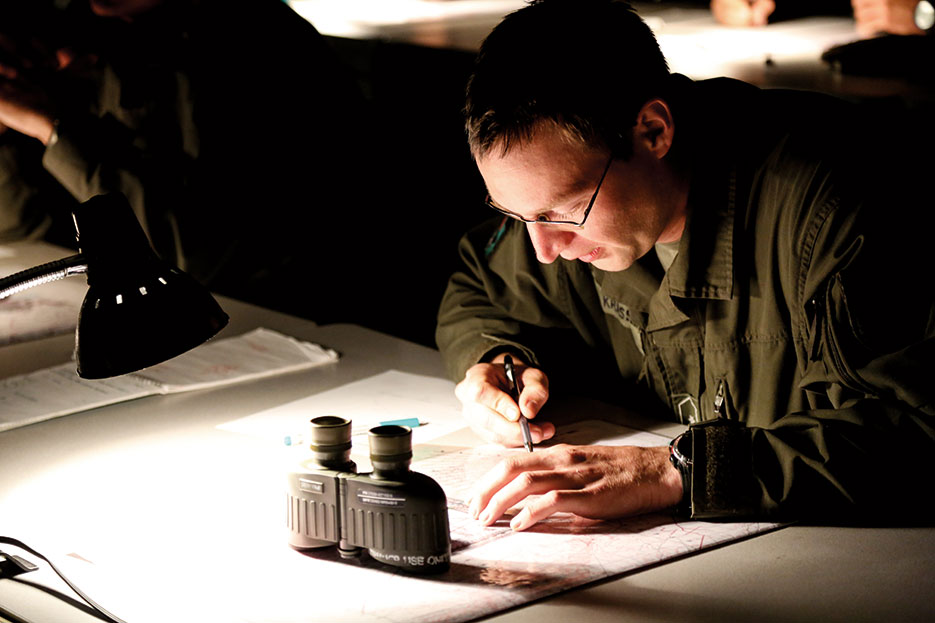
(502, 297)
(149, 160)
(862, 451)
(20, 214)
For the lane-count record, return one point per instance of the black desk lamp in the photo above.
(139, 310)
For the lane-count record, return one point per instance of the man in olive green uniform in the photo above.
(756, 262)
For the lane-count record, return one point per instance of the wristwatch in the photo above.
(924, 16)
(680, 455)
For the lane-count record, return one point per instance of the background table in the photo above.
(782, 54)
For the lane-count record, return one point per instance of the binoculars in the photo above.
(399, 516)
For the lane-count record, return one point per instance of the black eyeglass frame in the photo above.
(544, 221)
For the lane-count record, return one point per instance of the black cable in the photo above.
(98, 608)
(73, 601)
(6, 615)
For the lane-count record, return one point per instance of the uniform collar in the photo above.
(704, 267)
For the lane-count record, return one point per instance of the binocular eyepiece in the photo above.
(399, 516)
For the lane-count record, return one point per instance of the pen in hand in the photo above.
(523, 422)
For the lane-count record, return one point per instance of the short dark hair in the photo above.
(587, 66)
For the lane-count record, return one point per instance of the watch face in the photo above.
(925, 15)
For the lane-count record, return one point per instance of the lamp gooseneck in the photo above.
(42, 274)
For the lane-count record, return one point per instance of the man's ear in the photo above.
(655, 127)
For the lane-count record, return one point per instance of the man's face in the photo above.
(551, 175)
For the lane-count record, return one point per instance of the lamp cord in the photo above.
(15, 543)
(44, 273)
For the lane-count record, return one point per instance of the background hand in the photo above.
(596, 482)
(490, 410)
(742, 12)
(28, 70)
(885, 16)
(25, 108)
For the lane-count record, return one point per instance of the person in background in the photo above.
(753, 263)
(234, 130)
(35, 66)
(873, 17)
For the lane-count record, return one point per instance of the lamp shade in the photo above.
(139, 310)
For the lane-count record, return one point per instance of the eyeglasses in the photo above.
(542, 219)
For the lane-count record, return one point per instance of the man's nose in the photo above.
(548, 241)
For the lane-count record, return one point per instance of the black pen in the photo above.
(523, 422)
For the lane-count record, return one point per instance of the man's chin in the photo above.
(611, 264)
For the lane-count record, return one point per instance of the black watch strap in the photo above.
(680, 455)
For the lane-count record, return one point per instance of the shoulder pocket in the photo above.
(833, 337)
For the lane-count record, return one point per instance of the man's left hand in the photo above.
(596, 482)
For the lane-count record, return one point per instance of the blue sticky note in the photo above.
(411, 422)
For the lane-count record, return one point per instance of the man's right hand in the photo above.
(490, 409)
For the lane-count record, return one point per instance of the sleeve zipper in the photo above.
(719, 400)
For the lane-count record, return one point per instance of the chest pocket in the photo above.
(632, 321)
(626, 327)
(676, 368)
(667, 360)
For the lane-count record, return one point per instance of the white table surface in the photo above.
(795, 574)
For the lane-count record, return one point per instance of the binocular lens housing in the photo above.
(399, 516)
(390, 449)
(331, 442)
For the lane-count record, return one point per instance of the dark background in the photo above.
(429, 190)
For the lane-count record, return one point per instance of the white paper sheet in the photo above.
(53, 392)
(391, 395)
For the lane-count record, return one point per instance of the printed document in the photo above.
(56, 391)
